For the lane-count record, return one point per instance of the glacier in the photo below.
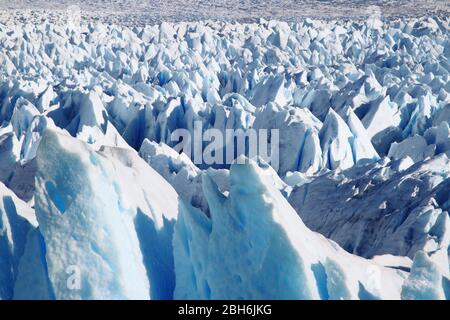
(371, 209)
(17, 219)
(131, 223)
(261, 234)
(98, 202)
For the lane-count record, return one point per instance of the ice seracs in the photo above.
(87, 117)
(415, 147)
(178, 170)
(344, 145)
(254, 232)
(299, 144)
(371, 209)
(425, 281)
(140, 83)
(106, 215)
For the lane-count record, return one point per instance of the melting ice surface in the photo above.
(95, 203)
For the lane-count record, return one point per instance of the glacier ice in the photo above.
(102, 218)
(426, 281)
(97, 202)
(17, 219)
(415, 147)
(370, 209)
(253, 233)
(177, 169)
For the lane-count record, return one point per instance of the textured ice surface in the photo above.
(140, 12)
(334, 103)
(381, 208)
(16, 221)
(96, 203)
(253, 233)
(425, 281)
(106, 215)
